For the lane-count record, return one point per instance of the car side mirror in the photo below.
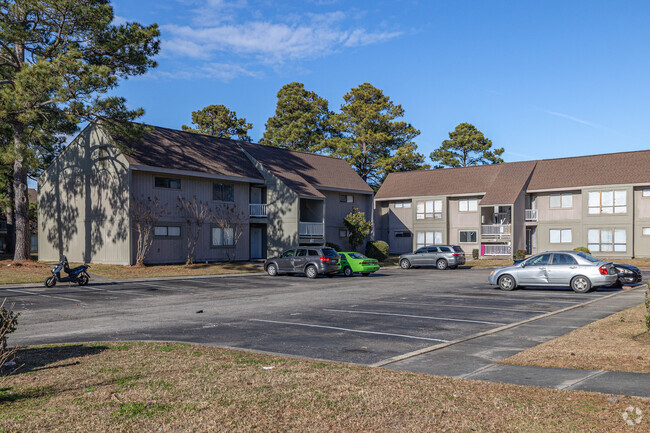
(523, 264)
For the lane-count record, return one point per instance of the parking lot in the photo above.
(362, 320)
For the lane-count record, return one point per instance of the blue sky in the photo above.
(543, 79)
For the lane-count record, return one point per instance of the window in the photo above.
(167, 231)
(467, 236)
(468, 205)
(223, 192)
(403, 204)
(445, 249)
(646, 231)
(428, 209)
(403, 234)
(428, 238)
(541, 260)
(607, 202)
(167, 182)
(560, 236)
(312, 253)
(224, 237)
(563, 259)
(288, 254)
(646, 192)
(607, 240)
(343, 233)
(346, 198)
(561, 200)
(301, 253)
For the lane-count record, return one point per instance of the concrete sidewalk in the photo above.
(478, 358)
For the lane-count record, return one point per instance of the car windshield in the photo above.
(357, 256)
(327, 252)
(589, 258)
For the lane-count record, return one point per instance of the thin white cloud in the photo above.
(574, 119)
(220, 71)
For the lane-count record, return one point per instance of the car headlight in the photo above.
(624, 271)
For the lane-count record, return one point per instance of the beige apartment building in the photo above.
(601, 202)
(285, 198)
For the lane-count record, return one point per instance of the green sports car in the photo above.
(356, 262)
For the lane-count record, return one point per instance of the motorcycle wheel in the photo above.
(50, 281)
(82, 280)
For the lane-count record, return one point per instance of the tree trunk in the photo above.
(9, 215)
(23, 234)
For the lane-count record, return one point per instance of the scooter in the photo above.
(77, 275)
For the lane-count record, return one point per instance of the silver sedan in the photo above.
(579, 271)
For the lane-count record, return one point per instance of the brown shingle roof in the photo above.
(607, 169)
(502, 183)
(180, 150)
(304, 172)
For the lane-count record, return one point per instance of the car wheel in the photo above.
(581, 284)
(272, 270)
(50, 281)
(404, 264)
(507, 282)
(311, 272)
(347, 271)
(441, 264)
(365, 274)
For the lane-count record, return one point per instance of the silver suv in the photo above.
(440, 256)
(311, 261)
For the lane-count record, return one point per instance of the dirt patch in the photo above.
(614, 343)
(183, 388)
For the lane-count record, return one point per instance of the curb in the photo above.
(493, 331)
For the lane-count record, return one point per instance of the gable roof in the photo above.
(306, 173)
(502, 183)
(179, 150)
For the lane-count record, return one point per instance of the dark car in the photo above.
(310, 261)
(627, 275)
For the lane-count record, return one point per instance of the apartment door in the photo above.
(256, 195)
(256, 242)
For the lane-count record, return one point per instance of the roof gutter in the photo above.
(195, 174)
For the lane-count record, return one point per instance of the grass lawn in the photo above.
(619, 342)
(36, 272)
(185, 388)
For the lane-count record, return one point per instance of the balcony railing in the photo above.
(496, 250)
(310, 230)
(257, 210)
(531, 214)
(496, 230)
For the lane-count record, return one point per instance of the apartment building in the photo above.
(285, 198)
(601, 202)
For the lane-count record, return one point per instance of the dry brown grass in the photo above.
(178, 388)
(37, 272)
(618, 342)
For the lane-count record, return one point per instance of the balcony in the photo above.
(310, 230)
(496, 230)
(257, 210)
(496, 250)
(531, 214)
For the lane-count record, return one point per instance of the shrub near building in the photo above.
(377, 250)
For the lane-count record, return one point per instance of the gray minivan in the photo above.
(440, 256)
(311, 261)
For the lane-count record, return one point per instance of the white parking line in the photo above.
(47, 296)
(447, 319)
(463, 306)
(350, 330)
(125, 292)
(504, 299)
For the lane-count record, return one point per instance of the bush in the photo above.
(8, 324)
(336, 247)
(475, 253)
(377, 250)
(582, 250)
(520, 254)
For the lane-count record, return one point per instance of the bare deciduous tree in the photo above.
(196, 214)
(229, 216)
(145, 213)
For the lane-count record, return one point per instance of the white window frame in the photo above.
(425, 238)
(162, 231)
(344, 234)
(645, 231)
(560, 236)
(467, 231)
(403, 204)
(222, 237)
(607, 240)
(645, 192)
(564, 201)
(607, 202)
(468, 205)
(346, 198)
(428, 209)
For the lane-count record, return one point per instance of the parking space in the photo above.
(361, 320)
